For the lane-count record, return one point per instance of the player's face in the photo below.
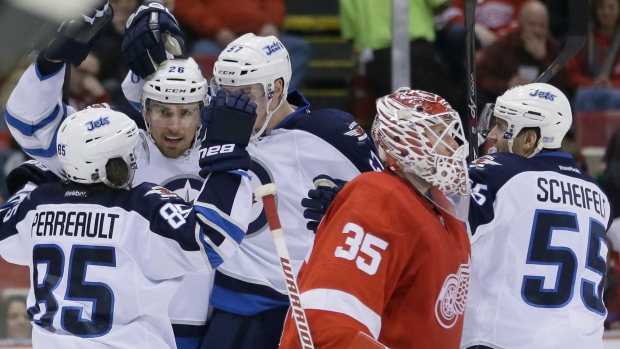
(441, 137)
(496, 136)
(173, 126)
(256, 92)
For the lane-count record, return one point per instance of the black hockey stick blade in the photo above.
(470, 46)
(577, 32)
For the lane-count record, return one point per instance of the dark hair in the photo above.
(117, 171)
(593, 5)
(4, 309)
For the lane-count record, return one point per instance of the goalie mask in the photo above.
(420, 136)
(173, 97)
(532, 105)
(253, 64)
(87, 139)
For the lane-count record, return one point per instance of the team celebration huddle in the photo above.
(227, 214)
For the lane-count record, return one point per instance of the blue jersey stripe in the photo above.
(233, 230)
(27, 129)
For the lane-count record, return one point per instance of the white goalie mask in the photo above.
(532, 105)
(419, 135)
(252, 64)
(87, 139)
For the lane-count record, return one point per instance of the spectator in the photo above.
(113, 67)
(494, 19)
(216, 23)
(14, 323)
(84, 87)
(519, 57)
(368, 24)
(597, 85)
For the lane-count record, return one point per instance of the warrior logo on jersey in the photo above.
(356, 131)
(453, 297)
(260, 176)
(185, 186)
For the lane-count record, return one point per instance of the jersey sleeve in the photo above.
(205, 234)
(34, 112)
(13, 244)
(339, 130)
(132, 88)
(338, 308)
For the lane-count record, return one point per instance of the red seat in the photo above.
(594, 128)
(206, 64)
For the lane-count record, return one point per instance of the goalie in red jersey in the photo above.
(391, 257)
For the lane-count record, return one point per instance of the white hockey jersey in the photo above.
(104, 264)
(303, 146)
(33, 114)
(538, 254)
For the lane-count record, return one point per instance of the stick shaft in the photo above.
(297, 311)
(470, 46)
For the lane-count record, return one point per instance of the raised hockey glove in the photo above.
(77, 36)
(229, 125)
(150, 32)
(319, 199)
(30, 171)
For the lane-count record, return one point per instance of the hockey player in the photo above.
(391, 257)
(106, 258)
(172, 98)
(290, 146)
(538, 226)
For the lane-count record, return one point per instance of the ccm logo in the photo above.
(224, 72)
(175, 90)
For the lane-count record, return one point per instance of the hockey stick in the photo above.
(470, 46)
(267, 193)
(610, 59)
(577, 31)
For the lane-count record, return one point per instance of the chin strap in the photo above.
(268, 116)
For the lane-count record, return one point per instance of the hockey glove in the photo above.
(30, 171)
(77, 36)
(229, 125)
(319, 199)
(149, 33)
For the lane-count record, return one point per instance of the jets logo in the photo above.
(260, 176)
(161, 191)
(483, 161)
(185, 186)
(356, 131)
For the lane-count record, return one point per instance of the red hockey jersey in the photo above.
(386, 263)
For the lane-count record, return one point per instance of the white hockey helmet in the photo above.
(535, 105)
(87, 139)
(251, 60)
(176, 81)
(409, 127)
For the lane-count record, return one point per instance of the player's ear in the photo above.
(530, 141)
(278, 87)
